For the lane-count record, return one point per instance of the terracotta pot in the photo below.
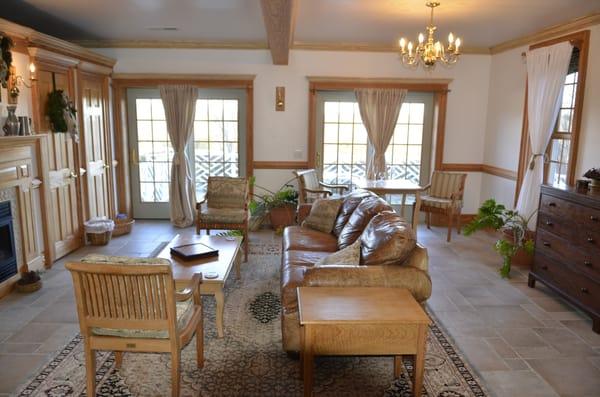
(521, 258)
(282, 216)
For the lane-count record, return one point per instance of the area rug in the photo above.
(249, 361)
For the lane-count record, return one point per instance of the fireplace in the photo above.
(8, 254)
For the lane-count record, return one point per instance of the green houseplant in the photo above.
(518, 237)
(279, 206)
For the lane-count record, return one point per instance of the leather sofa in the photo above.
(385, 260)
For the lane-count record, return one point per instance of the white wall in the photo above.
(505, 118)
(278, 134)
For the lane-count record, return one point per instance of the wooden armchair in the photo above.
(130, 305)
(311, 188)
(444, 195)
(225, 206)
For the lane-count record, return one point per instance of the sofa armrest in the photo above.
(415, 280)
(303, 211)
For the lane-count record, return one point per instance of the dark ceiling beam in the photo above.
(280, 21)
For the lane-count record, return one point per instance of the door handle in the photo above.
(73, 175)
(133, 156)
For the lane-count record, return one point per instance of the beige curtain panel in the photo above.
(379, 109)
(179, 102)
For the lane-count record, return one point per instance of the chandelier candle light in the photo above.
(430, 51)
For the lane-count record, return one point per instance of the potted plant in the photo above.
(29, 282)
(518, 239)
(280, 206)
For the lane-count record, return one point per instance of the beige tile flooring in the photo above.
(521, 341)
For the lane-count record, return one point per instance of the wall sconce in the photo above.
(280, 99)
(15, 81)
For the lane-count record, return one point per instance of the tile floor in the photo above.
(521, 341)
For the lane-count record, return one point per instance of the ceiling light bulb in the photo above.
(32, 67)
(421, 38)
(450, 38)
(457, 43)
(402, 43)
(410, 46)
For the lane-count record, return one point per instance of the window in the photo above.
(344, 139)
(559, 148)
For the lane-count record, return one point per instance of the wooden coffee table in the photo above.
(183, 271)
(361, 321)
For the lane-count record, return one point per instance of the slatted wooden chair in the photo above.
(311, 188)
(444, 195)
(130, 305)
(225, 206)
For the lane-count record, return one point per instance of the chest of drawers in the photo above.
(567, 248)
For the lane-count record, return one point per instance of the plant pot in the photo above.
(282, 216)
(521, 258)
(28, 288)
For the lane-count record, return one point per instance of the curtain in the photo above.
(546, 71)
(179, 102)
(379, 109)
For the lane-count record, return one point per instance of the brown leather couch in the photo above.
(389, 258)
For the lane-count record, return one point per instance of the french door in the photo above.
(342, 142)
(217, 147)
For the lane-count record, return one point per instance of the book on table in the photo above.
(194, 251)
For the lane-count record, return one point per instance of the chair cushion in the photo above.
(439, 202)
(387, 240)
(222, 215)
(224, 192)
(305, 239)
(349, 256)
(323, 214)
(367, 209)
(124, 260)
(351, 201)
(185, 310)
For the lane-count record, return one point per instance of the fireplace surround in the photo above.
(8, 253)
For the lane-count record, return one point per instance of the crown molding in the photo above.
(190, 44)
(548, 33)
(369, 47)
(382, 80)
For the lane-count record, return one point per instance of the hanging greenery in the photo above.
(6, 44)
(61, 113)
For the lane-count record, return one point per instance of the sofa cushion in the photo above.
(222, 215)
(367, 209)
(305, 239)
(323, 215)
(349, 256)
(302, 258)
(351, 201)
(388, 239)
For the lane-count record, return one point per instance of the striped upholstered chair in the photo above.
(444, 195)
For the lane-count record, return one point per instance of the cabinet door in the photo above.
(94, 100)
(65, 230)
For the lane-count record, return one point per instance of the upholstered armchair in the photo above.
(225, 206)
(311, 188)
(130, 305)
(444, 195)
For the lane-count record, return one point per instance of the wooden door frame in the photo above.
(120, 84)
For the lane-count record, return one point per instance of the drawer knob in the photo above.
(593, 218)
(545, 244)
(590, 240)
(552, 204)
(587, 263)
(584, 290)
(544, 267)
(548, 223)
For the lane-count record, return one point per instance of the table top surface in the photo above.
(389, 184)
(184, 270)
(359, 305)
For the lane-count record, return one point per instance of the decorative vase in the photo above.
(595, 185)
(11, 126)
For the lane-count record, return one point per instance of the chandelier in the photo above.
(429, 51)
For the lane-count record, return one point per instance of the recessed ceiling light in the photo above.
(163, 28)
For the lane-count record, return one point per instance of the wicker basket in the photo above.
(123, 227)
(99, 238)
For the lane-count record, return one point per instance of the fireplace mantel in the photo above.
(23, 167)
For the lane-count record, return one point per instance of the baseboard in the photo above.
(8, 285)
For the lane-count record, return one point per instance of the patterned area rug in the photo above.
(249, 361)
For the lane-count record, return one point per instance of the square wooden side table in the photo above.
(361, 321)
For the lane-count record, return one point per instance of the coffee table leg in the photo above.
(220, 298)
(419, 361)
(397, 366)
(307, 361)
(238, 261)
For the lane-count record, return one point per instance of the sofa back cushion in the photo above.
(351, 201)
(387, 240)
(366, 209)
(323, 215)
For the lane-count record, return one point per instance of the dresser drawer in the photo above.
(553, 246)
(588, 218)
(579, 287)
(588, 239)
(559, 226)
(555, 206)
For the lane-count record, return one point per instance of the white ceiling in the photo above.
(481, 23)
